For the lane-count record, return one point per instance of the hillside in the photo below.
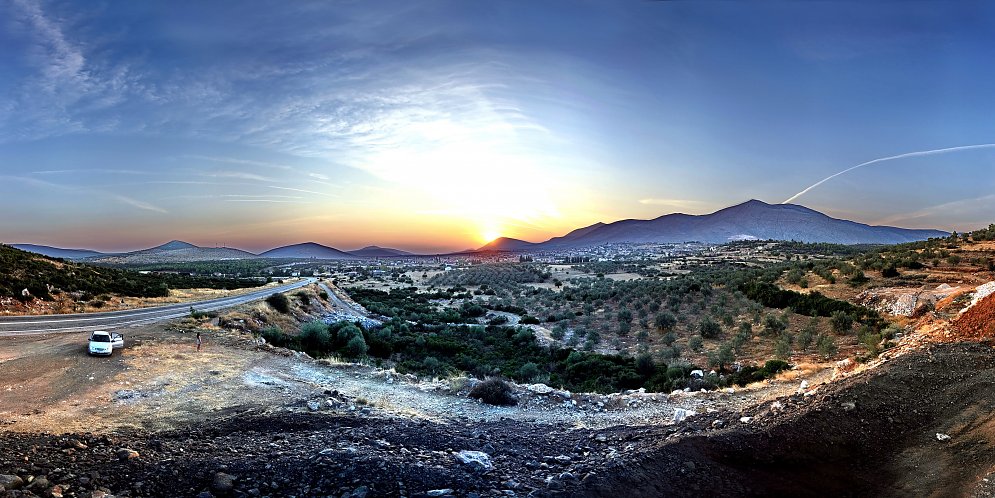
(751, 220)
(57, 252)
(45, 278)
(174, 251)
(310, 250)
(508, 244)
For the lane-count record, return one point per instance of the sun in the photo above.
(489, 234)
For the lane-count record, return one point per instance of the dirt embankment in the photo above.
(880, 433)
(978, 322)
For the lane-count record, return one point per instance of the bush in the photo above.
(305, 299)
(841, 322)
(279, 302)
(356, 347)
(276, 337)
(494, 391)
(529, 320)
(696, 343)
(315, 339)
(529, 371)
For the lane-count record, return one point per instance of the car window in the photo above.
(100, 338)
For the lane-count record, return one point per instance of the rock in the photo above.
(697, 374)
(439, 492)
(803, 386)
(360, 492)
(680, 414)
(205, 494)
(223, 483)
(942, 437)
(313, 406)
(745, 420)
(55, 491)
(562, 459)
(125, 454)
(848, 406)
(554, 484)
(476, 460)
(40, 483)
(718, 424)
(539, 388)
(8, 481)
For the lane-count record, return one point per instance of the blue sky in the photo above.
(437, 125)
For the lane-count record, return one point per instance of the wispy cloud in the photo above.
(138, 204)
(292, 189)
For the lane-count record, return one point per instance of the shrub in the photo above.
(709, 329)
(529, 320)
(826, 346)
(494, 391)
(841, 322)
(356, 347)
(314, 338)
(305, 299)
(695, 343)
(323, 295)
(279, 302)
(276, 337)
(529, 371)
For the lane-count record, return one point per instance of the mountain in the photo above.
(378, 252)
(508, 244)
(57, 252)
(750, 220)
(174, 251)
(173, 245)
(309, 250)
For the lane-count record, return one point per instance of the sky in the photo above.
(436, 126)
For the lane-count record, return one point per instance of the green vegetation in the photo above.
(43, 277)
(279, 302)
(498, 275)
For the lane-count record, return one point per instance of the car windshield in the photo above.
(101, 338)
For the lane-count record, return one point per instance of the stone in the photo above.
(476, 460)
(439, 492)
(745, 420)
(849, 406)
(942, 437)
(680, 414)
(125, 454)
(803, 386)
(539, 388)
(222, 483)
(718, 424)
(313, 406)
(8, 481)
(360, 492)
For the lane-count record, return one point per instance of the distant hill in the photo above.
(750, 220)
(57, 252)
(309, 250)
(508, 244)
(378, 252)
(44, 278)
(174, 251)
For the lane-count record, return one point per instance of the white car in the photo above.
(104, 343)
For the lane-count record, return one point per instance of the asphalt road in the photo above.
(46, 324)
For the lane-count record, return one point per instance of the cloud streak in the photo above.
(932, 152)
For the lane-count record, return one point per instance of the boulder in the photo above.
(476, 460)
(8, 481)
(680, 414)
(125, 454)
(223, 483)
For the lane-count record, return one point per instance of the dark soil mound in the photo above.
(872, 435)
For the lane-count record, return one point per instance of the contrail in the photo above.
(889, 158)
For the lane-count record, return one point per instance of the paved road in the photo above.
(333, 297)
(46, 324)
